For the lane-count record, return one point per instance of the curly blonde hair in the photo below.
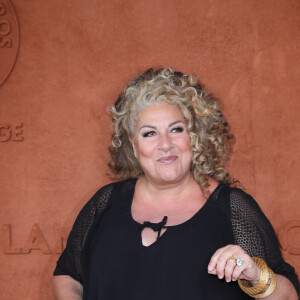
(208, 130)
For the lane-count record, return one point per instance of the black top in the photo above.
(105, 250)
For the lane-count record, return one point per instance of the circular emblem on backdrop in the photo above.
(9, 39)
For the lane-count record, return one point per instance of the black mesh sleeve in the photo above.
(255, 234)
(69, 263)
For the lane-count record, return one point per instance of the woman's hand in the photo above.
(223, 263)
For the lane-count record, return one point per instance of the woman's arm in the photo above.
(254, 233)
(68, 273)
(66, 288)
(284, 290)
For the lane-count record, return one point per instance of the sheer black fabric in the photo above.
(105, 228)
(255, 234)
(70, 262)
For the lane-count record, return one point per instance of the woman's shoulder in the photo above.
(118, 186)
(245, 211)
(112, 190)
(239, 198)
(236, 199)
(233, 193)
(223, 190)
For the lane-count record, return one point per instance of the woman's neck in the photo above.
(165, 193)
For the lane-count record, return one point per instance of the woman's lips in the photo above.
(167, 159)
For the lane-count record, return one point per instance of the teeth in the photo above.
(167, 160)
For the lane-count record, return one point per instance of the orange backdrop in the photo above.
(63, 61)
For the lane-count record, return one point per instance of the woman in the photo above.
(173, 228)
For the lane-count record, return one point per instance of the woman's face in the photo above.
(161, 144)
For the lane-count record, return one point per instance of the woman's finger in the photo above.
(229, 269)
(213, 261)
(225, 257)
(224, 262)
(237, 272)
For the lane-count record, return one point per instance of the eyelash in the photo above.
(152, 132)
(178, 129)
(148, 133)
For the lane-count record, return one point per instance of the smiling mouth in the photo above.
(167, 159)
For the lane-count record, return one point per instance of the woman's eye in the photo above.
(148, 133)
(177, 129)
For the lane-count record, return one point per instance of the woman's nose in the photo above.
(165, 142)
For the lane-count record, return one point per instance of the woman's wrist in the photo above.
(264, 286)
(254, 281)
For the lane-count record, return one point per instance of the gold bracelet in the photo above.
(261, 285)
(270, 289)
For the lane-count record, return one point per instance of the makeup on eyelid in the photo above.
(152, 132)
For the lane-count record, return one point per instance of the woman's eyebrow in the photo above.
(176, 122)
(147, 126)
(154, 127)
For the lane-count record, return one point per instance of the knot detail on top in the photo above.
(157, 227)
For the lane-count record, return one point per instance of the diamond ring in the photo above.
(239, 261)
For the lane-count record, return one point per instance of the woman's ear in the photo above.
(133, 146)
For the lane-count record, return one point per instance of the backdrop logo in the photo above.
(11, 132)
(35, 240)
(9, 39)
(288, 235)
